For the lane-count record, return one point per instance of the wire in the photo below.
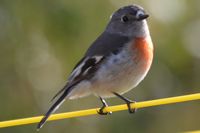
(88, 112)
(192, 131)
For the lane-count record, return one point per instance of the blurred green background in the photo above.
(41, 41)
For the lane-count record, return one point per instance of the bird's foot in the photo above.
(131, 110)
(128, 102)
(101, 110)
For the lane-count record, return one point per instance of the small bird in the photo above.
(116, 62)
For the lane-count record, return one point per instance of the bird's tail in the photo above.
(53, 108)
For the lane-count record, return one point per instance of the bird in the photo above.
(116, 62)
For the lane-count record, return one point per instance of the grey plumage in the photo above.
(115, 40)
(107, 43)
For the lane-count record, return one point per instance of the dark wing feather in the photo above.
(88, 64)
(60, 91)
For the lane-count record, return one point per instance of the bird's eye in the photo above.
(124, 18)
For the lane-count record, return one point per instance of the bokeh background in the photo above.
(41, 41)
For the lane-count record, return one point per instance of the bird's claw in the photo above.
(102, 112)
(131, 110)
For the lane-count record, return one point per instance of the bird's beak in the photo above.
(142, 16)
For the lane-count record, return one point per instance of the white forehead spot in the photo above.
(139, 13)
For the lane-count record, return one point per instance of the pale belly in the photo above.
(121, 74)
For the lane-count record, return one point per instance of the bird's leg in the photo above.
(128, 102)
(101, 110)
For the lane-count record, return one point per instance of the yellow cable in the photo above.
(192, 132)
(94, 111)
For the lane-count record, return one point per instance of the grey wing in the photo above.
(104, 45)
(84, 70)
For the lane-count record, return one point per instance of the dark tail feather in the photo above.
(59, 92)
(53, 108)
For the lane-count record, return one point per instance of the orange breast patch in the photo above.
(144, 50)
